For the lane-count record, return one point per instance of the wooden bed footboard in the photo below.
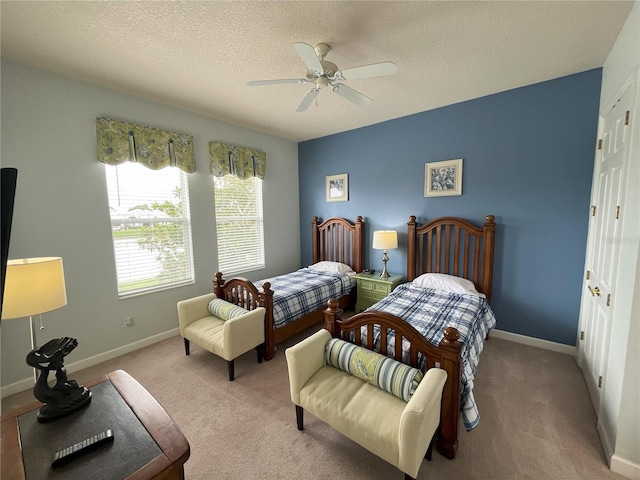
(242, 292)
(446, 356)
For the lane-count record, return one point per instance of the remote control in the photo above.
(71, 452)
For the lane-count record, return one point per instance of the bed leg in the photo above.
(408, 477)
(300, 417)
(259, 352)
(186, 346)
(447, 447)
(268, 354)
(230, 368)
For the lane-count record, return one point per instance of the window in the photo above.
(151, 227)
(239, 224)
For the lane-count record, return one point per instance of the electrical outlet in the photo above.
(128, 321)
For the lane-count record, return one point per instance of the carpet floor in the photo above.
(537, 421)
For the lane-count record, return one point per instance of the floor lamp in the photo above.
(33, 286)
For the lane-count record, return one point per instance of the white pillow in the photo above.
(445, 282)
(335, 267)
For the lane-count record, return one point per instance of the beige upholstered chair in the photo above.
(226, 338)
(398, 431)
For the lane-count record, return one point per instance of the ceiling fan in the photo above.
(326, 74)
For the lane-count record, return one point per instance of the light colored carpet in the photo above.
(537, 421)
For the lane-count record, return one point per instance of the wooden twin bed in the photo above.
(446, 245)
(335, 240)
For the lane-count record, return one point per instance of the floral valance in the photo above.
(231, 160)
(120, 142)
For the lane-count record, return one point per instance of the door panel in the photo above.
(604, 242)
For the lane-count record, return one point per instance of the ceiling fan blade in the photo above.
(256, 83)
(351, 95)
(308, 55)
(307, 100)
(367, 71)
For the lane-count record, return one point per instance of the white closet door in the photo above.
(604, 239)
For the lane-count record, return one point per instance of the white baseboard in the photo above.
(617, 464)
(625, 467)
(534, 342)
(27, 383)
(605, 439)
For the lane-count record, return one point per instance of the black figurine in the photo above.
(66, 396)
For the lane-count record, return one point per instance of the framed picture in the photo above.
(338, 188)
(443, 178)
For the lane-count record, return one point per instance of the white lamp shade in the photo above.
(385, 239)
(33, 286)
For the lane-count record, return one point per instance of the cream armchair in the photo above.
(226, 338)
(395, 430)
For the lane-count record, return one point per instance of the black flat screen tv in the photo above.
(8, 192)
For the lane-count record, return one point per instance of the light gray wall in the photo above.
(61, 209)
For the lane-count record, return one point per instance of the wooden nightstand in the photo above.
(372, 288)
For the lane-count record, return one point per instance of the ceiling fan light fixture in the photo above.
(324, 73)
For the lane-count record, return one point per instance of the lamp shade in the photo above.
(385, 239)
(33, 286)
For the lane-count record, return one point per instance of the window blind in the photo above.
(151, 227)
(239, 223)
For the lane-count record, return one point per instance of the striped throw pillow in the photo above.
(383, 372)
(225, 310)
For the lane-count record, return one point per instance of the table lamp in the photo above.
(385, 240)
(33, 286)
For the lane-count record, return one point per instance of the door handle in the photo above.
(594, 291)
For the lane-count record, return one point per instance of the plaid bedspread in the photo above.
(297, 293)
(430, 312)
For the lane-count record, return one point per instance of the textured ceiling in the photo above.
(200, 55)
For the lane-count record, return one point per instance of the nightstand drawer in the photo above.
(365, 285)
(371, 286)
(371, 296)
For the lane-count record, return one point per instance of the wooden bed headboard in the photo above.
(338, 240)
(453, 246)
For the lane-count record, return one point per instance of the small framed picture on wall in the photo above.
(337, 188)
(443, 178)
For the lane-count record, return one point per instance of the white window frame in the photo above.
(126, 260)
(229, 253)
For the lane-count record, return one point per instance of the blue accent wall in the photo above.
(528, 159)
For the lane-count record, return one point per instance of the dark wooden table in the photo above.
(147, 442)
